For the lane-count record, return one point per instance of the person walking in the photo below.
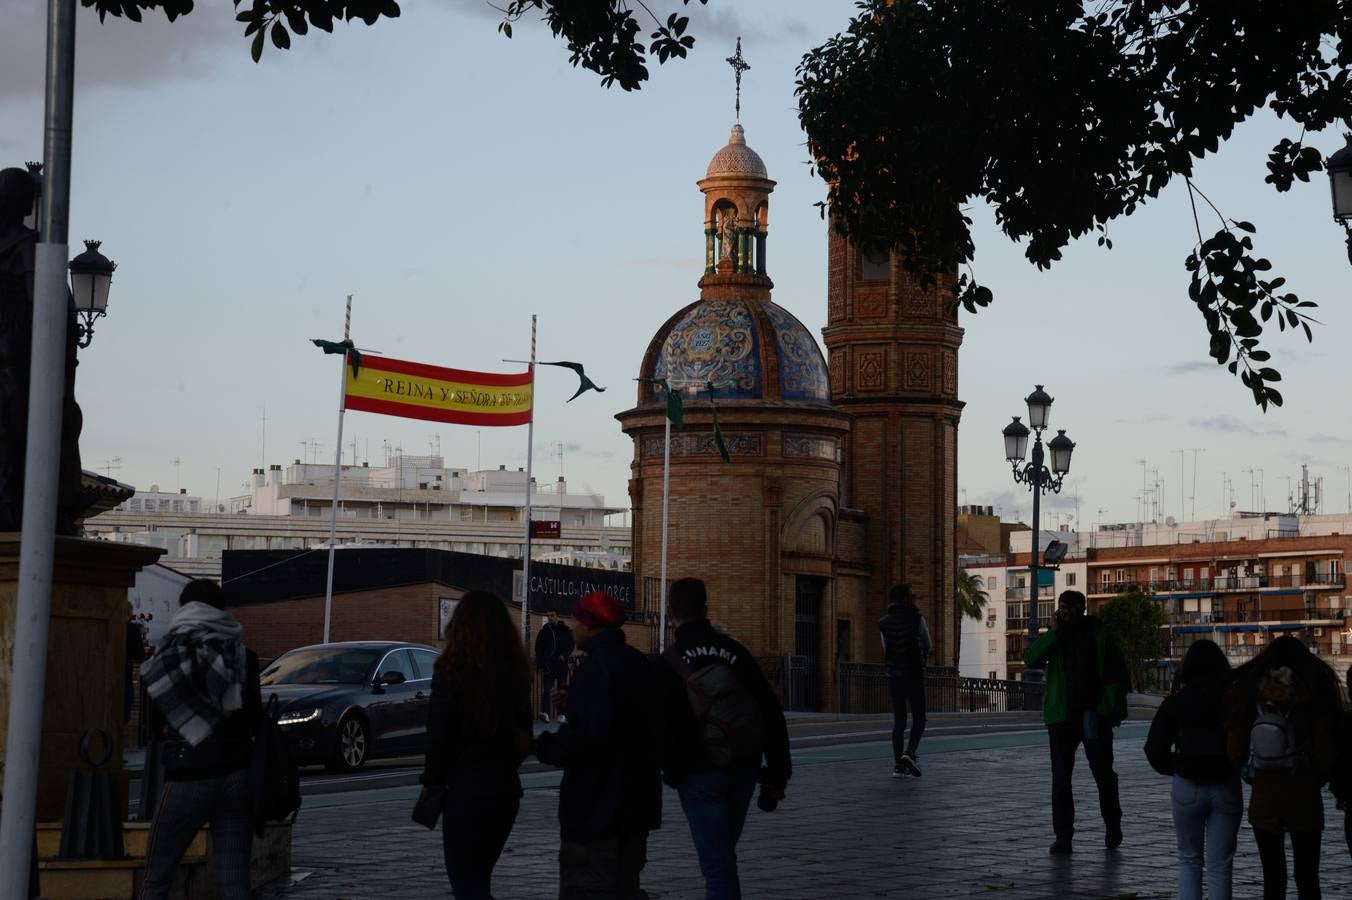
(1084, 699)
(906, 647)
(722, 720)
(1340, 780)
(478, 732)
(611, 794)
(1286, 711)
(1187, 741)
(553, 646)
(205, 706)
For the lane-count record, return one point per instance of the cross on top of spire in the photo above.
(739, 65)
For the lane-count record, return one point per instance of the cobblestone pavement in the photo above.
(976, 825)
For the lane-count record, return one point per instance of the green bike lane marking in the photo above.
(931, 746)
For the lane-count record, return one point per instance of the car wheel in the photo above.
(354, 744)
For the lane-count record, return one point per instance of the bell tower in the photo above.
(892, 350)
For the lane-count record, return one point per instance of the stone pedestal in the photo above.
(86, 653)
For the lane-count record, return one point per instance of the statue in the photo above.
(728, 232)
(18, 191)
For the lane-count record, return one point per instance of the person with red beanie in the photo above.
(611, 795)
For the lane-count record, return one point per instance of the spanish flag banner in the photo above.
(412, 390)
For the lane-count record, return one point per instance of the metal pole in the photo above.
(1033, 566)
(42, 460)
(666, 506)
(530, 453)
(337, 472)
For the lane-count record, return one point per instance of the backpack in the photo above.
(1272, 741)
(274, 782)
(728, 716)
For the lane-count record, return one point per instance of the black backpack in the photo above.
(274, 782)
(727, 713)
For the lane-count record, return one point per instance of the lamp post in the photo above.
(1038, 478)
(91, 273)
(1339, 167)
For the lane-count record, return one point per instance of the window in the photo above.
(398, 661)
(1070, 579)
(1105, 578)
(1121, 576)
(993, 676)
(425, 660)
(990, 645)
(991, 583)
(873, 264)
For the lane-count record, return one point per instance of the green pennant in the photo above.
(587, 383)
(718, 432)
(344, 347)
(675, 409)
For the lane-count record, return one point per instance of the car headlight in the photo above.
(299, 717)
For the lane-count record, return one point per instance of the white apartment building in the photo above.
(414, 502)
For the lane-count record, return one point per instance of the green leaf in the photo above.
(256, 49)
(280, 39)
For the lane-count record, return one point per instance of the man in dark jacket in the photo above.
(553, 646)
(611, 795)
(206, 704)
(906, 646)
(713, 757)
(1084, 700)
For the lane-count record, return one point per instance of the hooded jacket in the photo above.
(608, 747)
(683, 746)
(906, 639)
(1085, 671)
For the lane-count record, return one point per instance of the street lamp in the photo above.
(1039, 478)
(34, 169)
(1339, 166)
(91, 273)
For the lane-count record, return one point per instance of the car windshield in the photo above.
(321, 665)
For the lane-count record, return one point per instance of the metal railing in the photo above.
(1223, 583)
(866, 688)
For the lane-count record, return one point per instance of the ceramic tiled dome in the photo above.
(737, 158)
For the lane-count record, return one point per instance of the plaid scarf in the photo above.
(196, 676)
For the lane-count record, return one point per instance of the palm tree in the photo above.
(971, 596)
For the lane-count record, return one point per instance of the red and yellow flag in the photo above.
(396, 387)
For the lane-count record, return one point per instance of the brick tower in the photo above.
(760, 530)
(893, 350)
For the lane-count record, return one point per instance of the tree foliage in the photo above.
(971, 595)
(1062, 115)
(1135, 621)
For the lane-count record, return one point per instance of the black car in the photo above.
(344, 703)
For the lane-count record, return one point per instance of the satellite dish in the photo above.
(1170, 521)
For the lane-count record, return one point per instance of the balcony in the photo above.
(1191, 618)
(1320, 580)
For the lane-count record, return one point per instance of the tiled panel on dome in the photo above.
(714, 341)
(802, 370)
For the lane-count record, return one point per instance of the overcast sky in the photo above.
(455, 182)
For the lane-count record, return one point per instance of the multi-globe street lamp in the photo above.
(1038, 477)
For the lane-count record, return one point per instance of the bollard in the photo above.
(92, 825)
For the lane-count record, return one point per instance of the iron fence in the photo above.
(865, 688)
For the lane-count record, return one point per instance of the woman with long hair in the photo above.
(479, 730)
(1286, 706)
(1187, 742)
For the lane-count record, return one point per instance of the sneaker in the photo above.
(1113, 838)
(544, 717)
(898, 771)
(561, 719)
(908, 766)
(1060, 847)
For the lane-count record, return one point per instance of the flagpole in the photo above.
(666, 500)
(337, 470)
(530, 450)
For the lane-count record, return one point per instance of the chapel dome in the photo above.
(750, 349)
(737, 158)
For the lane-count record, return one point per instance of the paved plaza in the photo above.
(976, 825)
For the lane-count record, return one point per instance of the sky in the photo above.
(456, 182)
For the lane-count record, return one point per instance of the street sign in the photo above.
(544, 528)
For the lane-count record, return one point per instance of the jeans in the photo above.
(1065, 739)
(715, 805)
(606, 869)
(474, 830)
(1305, 855)
(184, 808)
(907, 690)
(1206, 817)
(546, 684)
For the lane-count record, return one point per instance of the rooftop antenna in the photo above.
(178, 471)
(263, 441)
(111, 464)
(739, 65)
(1193, 494)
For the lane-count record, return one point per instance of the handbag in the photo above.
(428, 808)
